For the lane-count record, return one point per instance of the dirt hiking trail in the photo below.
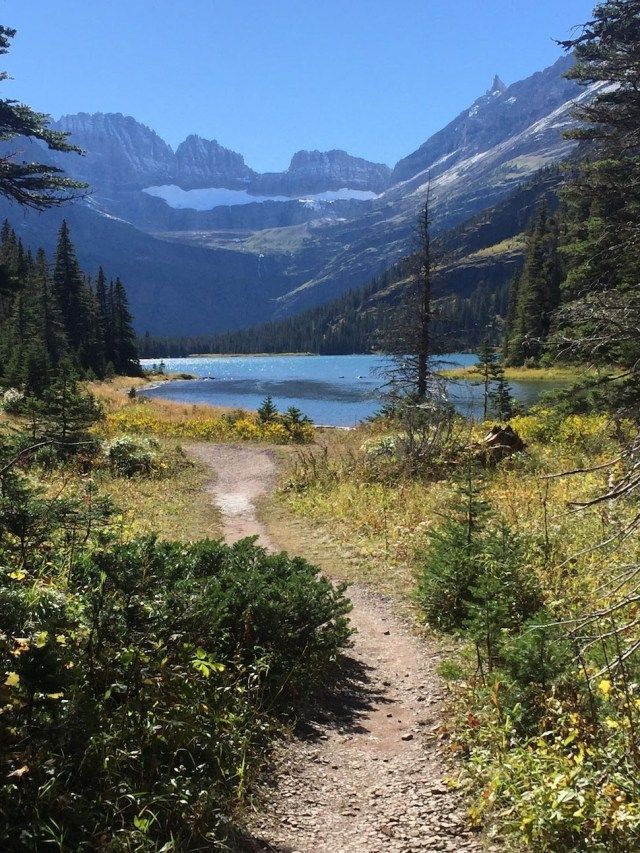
(364, 774)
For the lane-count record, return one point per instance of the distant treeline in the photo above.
(354, 323)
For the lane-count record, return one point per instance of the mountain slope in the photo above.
(474, 264)
(206, 243)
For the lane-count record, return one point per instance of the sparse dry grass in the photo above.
(113, 393)
(377, 529)
(175, 506)
(172, 503)
(505, 247)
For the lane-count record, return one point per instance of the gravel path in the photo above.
(365, 774)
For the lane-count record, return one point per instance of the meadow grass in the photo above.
(173, 504)
(140, 415)
(554, 373)
(384, 524)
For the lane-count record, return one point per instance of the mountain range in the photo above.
(205, 243)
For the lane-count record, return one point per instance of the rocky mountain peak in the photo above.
(205, 163)
(320, 171)
(120, 150)
(495, 117)
(497, 87)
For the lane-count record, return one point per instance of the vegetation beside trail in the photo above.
(129, 412)
(145, 667)
(546, 741)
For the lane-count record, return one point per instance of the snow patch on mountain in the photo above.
(212, 197)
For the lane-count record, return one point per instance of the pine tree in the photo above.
(67, 412)
(49, 324)
(500, 397)
(8, 269)
(599, 320)
(535, 294)
(16, 339)
(105, 315)
(487, 360)
(33, 185)
(409, 337)
(70, 291)
(125, 350)
(36, 368)
(451, 563)
(268, 411)
(94, 346)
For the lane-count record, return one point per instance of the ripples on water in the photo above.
(333, 390)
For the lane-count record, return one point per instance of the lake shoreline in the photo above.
(335, 391)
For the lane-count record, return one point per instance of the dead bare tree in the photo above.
(414, 390)
(408, 338)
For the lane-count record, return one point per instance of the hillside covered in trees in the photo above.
(474, 265)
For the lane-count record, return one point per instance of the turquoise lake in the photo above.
(333, 390)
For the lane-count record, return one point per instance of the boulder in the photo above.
(498, 444)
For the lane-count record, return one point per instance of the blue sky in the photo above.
(375, 77)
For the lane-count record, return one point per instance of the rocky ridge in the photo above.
(205, 163)
(317, 171)
(124, 154)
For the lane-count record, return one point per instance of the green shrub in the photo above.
(505, 594)
(268, 410)
(450, 570)
(474, 574)
(130, 455)
(536, 657)
(139, 696)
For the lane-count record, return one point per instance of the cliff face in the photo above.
(120, 152)
(320, 171)
(204, 163)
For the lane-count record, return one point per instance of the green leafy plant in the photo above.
(130, 455)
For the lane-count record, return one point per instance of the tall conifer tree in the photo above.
(69, 288)
(601, 315)
(124, 338)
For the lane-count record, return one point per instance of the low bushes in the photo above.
(141, 688)
(128, 455)
(546, 716)
(577, 432)
(141, 680)
(198, 425)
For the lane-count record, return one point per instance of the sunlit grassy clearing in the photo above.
(554, 373)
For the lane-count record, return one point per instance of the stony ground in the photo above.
(365, 774)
